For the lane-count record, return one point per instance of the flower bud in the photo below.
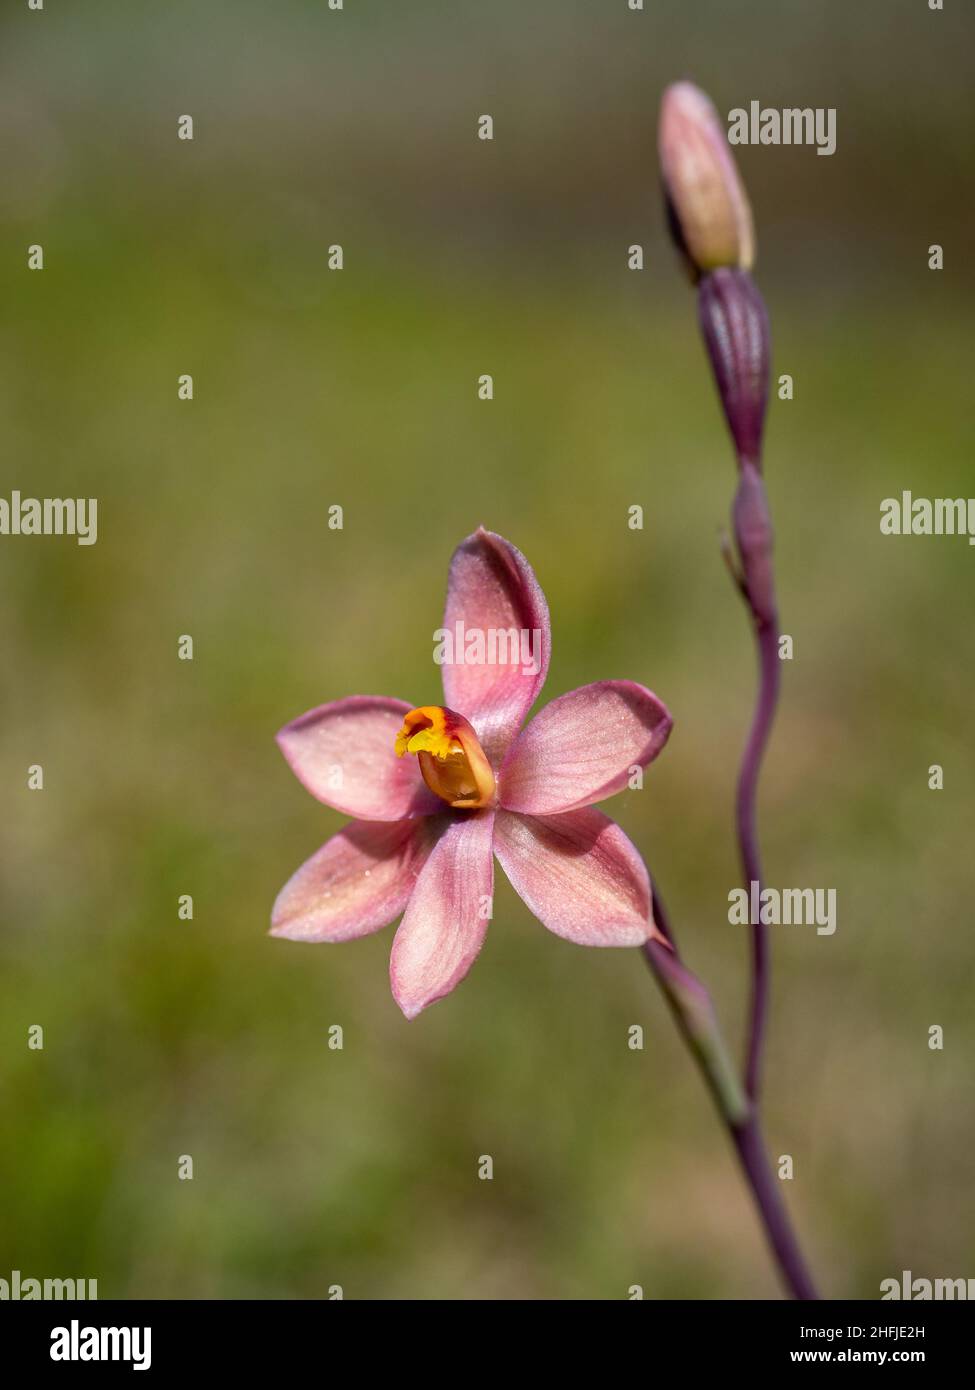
(707, 207)
(753, 532)
(693, 1009)
(735, 327)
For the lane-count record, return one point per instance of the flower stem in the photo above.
(696, 1020)
(781, 1237)
(767, 639)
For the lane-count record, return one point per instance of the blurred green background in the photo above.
(164, 1037)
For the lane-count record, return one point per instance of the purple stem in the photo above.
(765, 1189)
(735, 326)
(691, 1006)
(767, 638)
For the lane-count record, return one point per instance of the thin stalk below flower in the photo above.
(750, 1145)
(767, 640)
(694, 1014)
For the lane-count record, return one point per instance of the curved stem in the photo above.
(694, 1015)
(734, 322)
(767, 637)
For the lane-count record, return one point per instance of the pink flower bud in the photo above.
(710, 217)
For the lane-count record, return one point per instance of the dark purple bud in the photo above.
(753, 532)
(735, 327)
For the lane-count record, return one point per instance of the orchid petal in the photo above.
(344, 754)
(494, 599)
(358, 882)
(447, 917)
(583, 747)
(579, 874)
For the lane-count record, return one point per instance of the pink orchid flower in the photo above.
(428, 826)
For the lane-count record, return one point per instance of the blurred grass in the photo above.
(162, 1037)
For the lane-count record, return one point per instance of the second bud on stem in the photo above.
(735, 326)
(734, 322)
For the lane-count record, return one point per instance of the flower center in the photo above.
(451, 759)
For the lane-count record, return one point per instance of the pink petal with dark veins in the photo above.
(358, 882)
(579, 874)
(343, 753)
(492, 593)
(445, 923)
(583, 747)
